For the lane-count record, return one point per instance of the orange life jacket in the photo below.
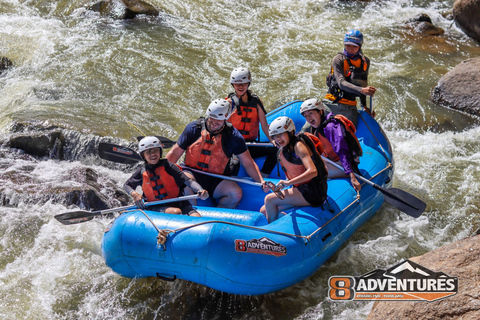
(353, 71)
(207, 152)
(293, 166)
(245, 117)
(159, 185)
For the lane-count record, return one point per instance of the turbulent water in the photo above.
(94, 75)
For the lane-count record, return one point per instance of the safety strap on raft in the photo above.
(163, 233)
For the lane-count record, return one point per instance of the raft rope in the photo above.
(373, 135)
(163, 233)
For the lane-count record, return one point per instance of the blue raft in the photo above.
(235, 250)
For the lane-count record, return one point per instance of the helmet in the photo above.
(280, 125)
(354, 37)
(311, 104)
(219, 109)
(149, 143)
(240, 75)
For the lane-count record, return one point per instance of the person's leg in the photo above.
(228, 194)
(173, 210)
(273, 204)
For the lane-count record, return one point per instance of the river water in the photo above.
(94, 75)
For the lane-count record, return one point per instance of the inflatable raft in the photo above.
(235, 250)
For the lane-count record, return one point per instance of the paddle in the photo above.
(75, 217)
(398, 198)
(253, 183)
(167, 143)
(115, 153)
(126, 155)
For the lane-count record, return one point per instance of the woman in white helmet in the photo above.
(337, 134)
(248, 113)
(161, 180)
(303, 167)
(209, 145)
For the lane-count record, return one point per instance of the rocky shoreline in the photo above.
(33, 143)
(458, 259)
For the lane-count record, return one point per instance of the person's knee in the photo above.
(173, 210)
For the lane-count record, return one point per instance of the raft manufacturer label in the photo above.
(121, 150)
(261, 246)
(405, 281)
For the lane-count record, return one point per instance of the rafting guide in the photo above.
(405, 281)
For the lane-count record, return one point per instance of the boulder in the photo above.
(466, 13)
(40, 144)
(79, 187)
(422, 24)
(140, 7)
(460, 88)
(123, 9)
(459, 259)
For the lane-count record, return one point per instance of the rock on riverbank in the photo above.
(460, 87)
(466, 14)
(459, 259)
(84, 187)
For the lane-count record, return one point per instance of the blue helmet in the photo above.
(354, 37)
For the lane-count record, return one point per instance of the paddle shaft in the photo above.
(253, 183)
(74, 217)
(400, 199)
(167, 143)
(356, 175)
(127, 155)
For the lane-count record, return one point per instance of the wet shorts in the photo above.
(208, 183)
(185, 206)
(314, 192)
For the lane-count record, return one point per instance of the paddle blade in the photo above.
(75, 217)
(167, 143)
(115, 153)
(404, 201)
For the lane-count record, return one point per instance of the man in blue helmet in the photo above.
(347, 79)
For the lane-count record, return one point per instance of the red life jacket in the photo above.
(207, 152)
(293, 166)
(349, 135)
(159, 185)
(245, 117)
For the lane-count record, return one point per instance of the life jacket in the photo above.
(354, 71)
(328, 151)
(293, 166)
(159, 185)
(207, 152)
(348, 130)
(245, 117)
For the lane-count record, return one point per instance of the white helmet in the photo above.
(240, 75)
(281, 124)
(219, 109)
(149, 143)
(311, 104)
